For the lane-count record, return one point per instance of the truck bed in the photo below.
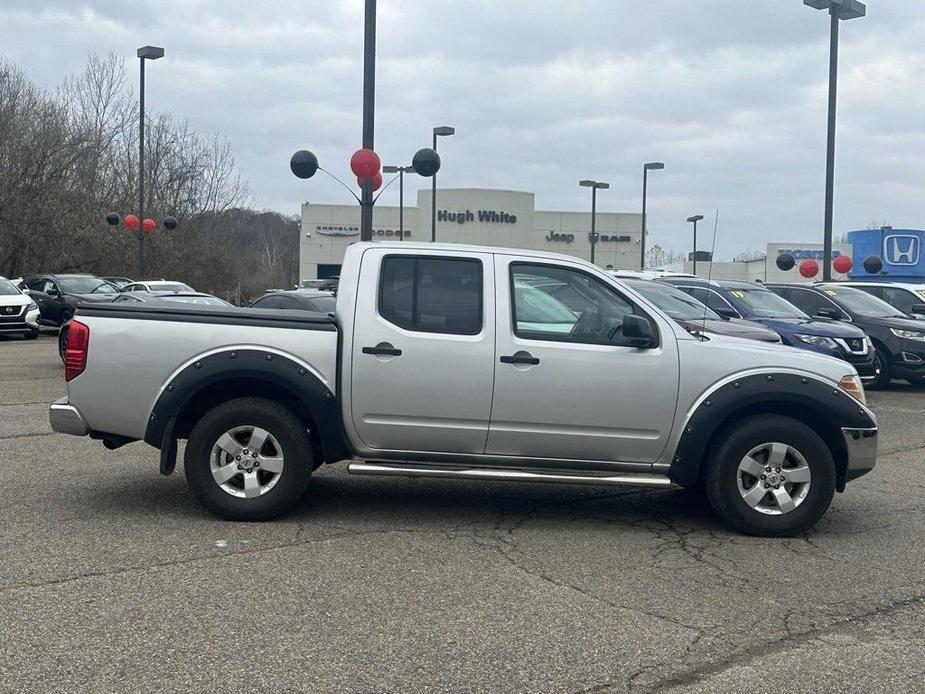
(136, 350)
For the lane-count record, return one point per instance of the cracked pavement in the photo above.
(112, 579)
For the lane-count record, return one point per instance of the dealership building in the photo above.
(503, 218)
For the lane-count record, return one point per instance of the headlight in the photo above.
(908, 334)
(818, 341)
(853, 386)
(32, 306)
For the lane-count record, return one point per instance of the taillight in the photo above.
(75, 356)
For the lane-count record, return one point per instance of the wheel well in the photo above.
(808, 415)
(216, 393)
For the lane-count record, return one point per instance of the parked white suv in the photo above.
(19, 314)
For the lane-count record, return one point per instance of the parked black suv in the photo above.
(899, 340)
(59, 295)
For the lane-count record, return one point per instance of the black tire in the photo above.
(721, 475)
(916, 381)
(884, 363)
(31, 335)
(65, 316)
(62, 340)
(282, 425)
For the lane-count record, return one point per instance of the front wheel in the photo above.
(884, 368)
(31, 335)
(770, 475)
(248, 459)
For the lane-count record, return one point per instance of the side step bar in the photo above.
(500, 475)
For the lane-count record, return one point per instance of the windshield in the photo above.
(674, 302)
(7, 288)
(201, 300)
(169, 287)
(762, 303)
(861, 303)
(86, 285)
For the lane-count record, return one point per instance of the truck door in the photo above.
(423, 351)
(567, 385)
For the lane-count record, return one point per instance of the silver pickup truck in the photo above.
(464, 362)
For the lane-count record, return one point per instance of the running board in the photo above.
(500, 475)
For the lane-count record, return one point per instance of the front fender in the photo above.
(821, 405)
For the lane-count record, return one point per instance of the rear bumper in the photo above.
(66, 419)
(862, 451)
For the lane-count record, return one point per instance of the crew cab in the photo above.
(450, 361)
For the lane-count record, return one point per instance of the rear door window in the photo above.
(432, 294)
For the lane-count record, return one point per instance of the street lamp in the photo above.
(440, 131)
(144, 53)
(696, 218)
(594, 186)
(646, 168)
(838, 10)
(401, 171)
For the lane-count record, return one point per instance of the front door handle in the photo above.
(383, 349)
(520, 358)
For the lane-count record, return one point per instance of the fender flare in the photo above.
(830, 408)
(252, 365)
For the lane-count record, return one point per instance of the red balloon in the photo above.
(130, 222)
(376, 180)
(842, 263)
(149, 225)
(365, 163)
(809, 268)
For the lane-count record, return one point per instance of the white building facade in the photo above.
(503, 218)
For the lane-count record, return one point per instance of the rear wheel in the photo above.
(770, 475)
(248, 459)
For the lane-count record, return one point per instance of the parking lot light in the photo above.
(696, 218)
(594, 186)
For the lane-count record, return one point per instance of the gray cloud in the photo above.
(730, 94)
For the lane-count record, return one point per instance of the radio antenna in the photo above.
(703, 326)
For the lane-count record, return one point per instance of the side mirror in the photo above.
(830, 313)
(638, 332)
(27, 292)
(918, 309)
(52, 292)
(726, 312)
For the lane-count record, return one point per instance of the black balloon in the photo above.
(426, 162)
(785, 261)
(113, 219)
(873, 264)
(170, 222)
(304, 164)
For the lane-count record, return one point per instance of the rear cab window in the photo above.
(432, 294)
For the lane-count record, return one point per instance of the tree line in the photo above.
(69, 156)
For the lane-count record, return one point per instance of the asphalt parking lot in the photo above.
(115, 580)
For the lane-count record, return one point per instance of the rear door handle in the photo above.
(383, 349)
(520, 358)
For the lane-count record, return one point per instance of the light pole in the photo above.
(369, 114)
(144, 53)
(838, 10)
(696, 218)
(594, 186)
(441, 131)
(401, 171)
(646, 168)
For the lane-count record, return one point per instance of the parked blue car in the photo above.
(754, 302)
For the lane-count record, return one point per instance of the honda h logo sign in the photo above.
(901, 250)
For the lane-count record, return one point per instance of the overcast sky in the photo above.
(730, 94)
